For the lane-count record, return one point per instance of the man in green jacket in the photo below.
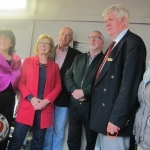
(79, 80)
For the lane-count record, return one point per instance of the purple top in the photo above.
(9, 74)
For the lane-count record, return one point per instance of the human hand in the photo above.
(34, 101)
(78, 94)
(42, 104)
(112, 129)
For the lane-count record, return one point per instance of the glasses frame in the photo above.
(44, 43)
(96, 38)
(5, 38)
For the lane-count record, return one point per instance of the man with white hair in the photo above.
(114, 96)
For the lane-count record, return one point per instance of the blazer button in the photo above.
(104, 90)
(112, 76)
(103, 104)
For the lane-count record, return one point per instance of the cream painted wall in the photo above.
(83, 16)
(27, 32)
(23, 32)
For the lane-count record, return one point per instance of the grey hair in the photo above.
(119, 11)
(99, 33)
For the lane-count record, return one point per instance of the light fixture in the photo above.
(12, 4)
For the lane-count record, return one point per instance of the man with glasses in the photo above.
(64, 56)
(78, 80)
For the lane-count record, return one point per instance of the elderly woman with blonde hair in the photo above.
(39, 86)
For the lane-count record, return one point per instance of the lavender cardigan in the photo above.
(9, 74)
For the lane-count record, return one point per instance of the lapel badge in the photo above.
(109, 59)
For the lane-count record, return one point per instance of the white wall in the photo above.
(27, 32)
(83, 16)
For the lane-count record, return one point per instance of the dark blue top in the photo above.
(41, 85)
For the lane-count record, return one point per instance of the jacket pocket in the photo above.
(49, 108)
(24, 104)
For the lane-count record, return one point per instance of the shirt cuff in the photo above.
(29, 97)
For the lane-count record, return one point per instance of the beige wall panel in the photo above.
(83, 29)
(23, 33)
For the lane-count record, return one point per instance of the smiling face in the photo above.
(95, 41)
(44, 46)
(65, 36)
(5, 43)
(114, 25)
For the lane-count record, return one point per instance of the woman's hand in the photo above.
(42, 104)
(35, 101)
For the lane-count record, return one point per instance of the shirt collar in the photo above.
(64, 49)
(120, 36)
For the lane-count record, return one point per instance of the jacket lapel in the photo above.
(3, 62)
(112, 57)
(67, 59)
(65, 63)
(36, 70)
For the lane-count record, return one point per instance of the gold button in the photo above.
(103, 104)
(104, 90)
(112, 76)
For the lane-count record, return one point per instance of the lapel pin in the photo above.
(109, 59)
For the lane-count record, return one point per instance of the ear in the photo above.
(71, 40)
(124, 21)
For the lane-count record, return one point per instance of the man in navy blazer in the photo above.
(64, 56)
(114, 95)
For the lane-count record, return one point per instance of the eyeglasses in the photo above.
(96, 38)
(44, 43)
(4, 38)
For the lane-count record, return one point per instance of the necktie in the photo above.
(104, 59)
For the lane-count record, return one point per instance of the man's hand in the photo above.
(112, 129)
(42, 104)
(78, 94)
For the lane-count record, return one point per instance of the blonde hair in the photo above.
(42, 36)
(119, 11)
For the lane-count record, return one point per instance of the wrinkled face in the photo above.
(5, 43)
(65, 37)
(44, 46)
(114, 25)
(95, 41)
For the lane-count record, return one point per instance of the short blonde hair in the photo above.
(119, 11)
(42, 36)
